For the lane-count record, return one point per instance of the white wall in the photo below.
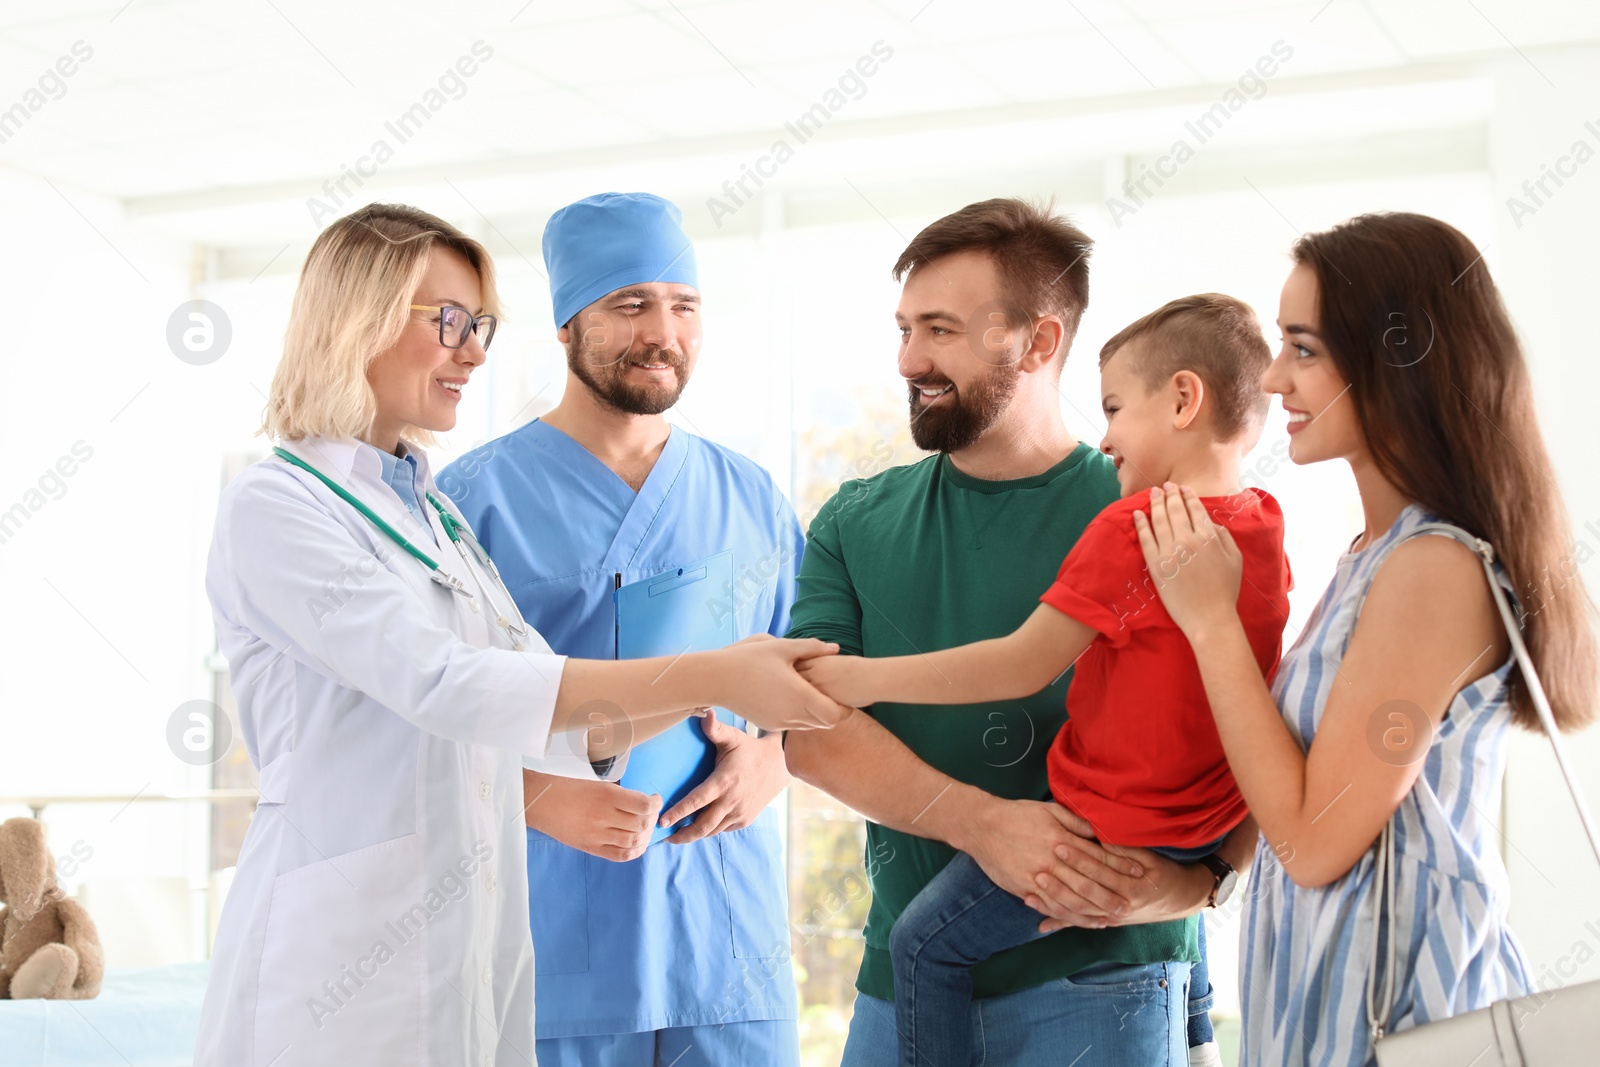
(103, 634)
(1546, 268)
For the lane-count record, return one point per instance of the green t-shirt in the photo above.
(924, 557)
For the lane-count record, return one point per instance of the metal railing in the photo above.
(37, 803)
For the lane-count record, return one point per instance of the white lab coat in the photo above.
(379, 914)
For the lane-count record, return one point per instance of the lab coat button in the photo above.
(488, 883)
(487, 976)
(483, 790)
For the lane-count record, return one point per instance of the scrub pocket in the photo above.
(758, 905)
(343, 958)
(558, 905)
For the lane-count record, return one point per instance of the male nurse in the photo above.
(676, 952)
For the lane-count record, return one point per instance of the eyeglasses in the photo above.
(455, 323)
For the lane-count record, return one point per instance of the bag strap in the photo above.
(1381, 1003)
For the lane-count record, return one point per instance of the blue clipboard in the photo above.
(685, 609)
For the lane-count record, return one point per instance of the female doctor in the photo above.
(388, 689)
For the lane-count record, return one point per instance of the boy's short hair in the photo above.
(1215, 336)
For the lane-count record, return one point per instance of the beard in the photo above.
(607, 378)
(958, 422)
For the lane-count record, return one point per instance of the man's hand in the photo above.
(749, 773)
(600, 818)
(1016, 842)
(1160, 891)
(1020, 844)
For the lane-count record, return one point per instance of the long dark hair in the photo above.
(1414, 323)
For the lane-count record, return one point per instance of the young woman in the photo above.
(1396, 702)
(388, 688)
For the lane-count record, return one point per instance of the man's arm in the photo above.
(1239, 850)
(1015, 841)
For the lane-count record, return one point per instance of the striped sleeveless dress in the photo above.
(1306, 952)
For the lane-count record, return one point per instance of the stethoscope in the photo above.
(472, 553)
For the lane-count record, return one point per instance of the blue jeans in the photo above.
(1107, 1015)
(959, 919)
(771, 1043)
(1201, 995)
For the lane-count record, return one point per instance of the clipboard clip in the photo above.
(668, 582)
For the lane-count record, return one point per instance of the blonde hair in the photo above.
(351, 305)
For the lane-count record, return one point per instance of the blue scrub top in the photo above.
(687, 934)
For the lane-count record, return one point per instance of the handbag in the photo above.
(1540, 1030)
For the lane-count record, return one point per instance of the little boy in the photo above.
(1139, 758)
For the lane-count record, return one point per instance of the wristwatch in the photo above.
(1226, 878)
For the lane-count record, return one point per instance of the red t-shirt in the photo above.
(1139, 756)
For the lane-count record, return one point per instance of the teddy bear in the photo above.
(48, 945)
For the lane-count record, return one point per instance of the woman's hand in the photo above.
(1193, 562)
(600, 818)
(757, 678)
(846, 679)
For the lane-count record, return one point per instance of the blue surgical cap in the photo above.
(612, 240)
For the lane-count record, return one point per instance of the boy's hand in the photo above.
(844, 678)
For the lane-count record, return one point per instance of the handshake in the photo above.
(775, 682)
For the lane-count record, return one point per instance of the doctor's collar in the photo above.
(342, 457)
